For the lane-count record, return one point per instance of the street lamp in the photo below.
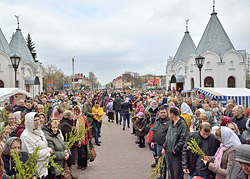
(15, 60)
(199, 61)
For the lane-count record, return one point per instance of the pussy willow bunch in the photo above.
(63, 106)
(194, 147)
(27, 170)
(4, 116)
(75, 136)
(46, 109)
(156, 173)
(55, 165)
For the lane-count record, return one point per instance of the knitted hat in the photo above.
(140, 114)
(243, 153)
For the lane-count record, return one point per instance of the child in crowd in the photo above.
(140, 129)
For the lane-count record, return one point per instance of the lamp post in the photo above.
(199, 61)
(15, 60)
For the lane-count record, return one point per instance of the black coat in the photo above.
(117, 104)
(150, 113)
(19, 108)
(176, 136)
(160, 130)
(126, 106)
(66, 126)
(209, 146)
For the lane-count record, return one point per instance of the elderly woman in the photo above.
(33, 137)
(56, 143)
(12, 144)
(66, 127)
(224, 158)
(82, 124)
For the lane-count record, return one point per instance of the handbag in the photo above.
(91, 152)
(67, 172)
(82, 154)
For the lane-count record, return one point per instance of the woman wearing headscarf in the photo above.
(151, 114)
(82, 124)
(187, 114)
(97, 112)
(224, 120)
(125, 107)
(224, 159)
(57, 114)
(33, 137)
(56, 143)
(13, 143)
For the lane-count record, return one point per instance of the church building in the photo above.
(224, 66)
(29, 72)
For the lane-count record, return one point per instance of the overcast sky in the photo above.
(110, 37)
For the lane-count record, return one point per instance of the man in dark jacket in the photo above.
(192, 163)
(175, 140)
(159, 133)
(21, 106)
(117, 107)
(239, 118)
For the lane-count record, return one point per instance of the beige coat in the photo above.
(227, 163)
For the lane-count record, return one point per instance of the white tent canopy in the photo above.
(241, 95)
(6, 93)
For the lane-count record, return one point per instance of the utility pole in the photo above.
(73, 63)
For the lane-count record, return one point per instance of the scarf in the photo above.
(229, 139)
(219, 153)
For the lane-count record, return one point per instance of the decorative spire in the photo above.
(187, 25)
(214, 8)
(17, 17)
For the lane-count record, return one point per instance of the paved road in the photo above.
(118, 156)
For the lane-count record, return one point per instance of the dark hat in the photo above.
(243, 153)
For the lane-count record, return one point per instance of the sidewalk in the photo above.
(118, 156)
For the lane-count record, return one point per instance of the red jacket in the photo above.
(150, 133)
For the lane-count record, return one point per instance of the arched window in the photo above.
(1, 84)
(209, 82)
(192, 83)
(231, 82)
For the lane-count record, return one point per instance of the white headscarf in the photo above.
(229, 138)
(186, 109)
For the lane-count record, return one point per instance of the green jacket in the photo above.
(56, 143)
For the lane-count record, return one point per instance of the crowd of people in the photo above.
(168, 120)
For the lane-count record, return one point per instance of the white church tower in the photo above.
(223, 67)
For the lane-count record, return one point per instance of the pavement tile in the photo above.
(118, 157)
